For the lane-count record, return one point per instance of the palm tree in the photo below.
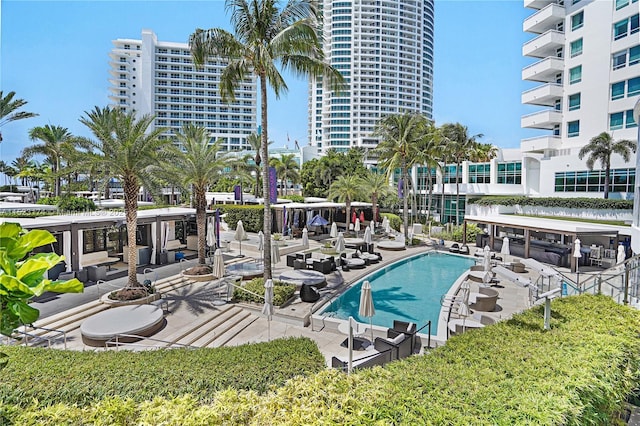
(600, 148)
(430, 148)
(128, 150)
(265, 36)
(19, 166)
(255, 141)
(461, 148)
(346, 189)
(55, 140)
(377, 185)
(9, 109)
(400, 134)
(287, 169)
(199, 165)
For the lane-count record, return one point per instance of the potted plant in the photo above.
(277, 238)
(328, 248)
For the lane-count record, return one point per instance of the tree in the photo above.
(255, 141)
(199, 165)
(346, 189)
(128, 150)
(55, 140)
(429, 151)
(377, 185)
(461, 147)
(317, 174)
(263, 37)
(600, 149)
(9, 109)
(286, 169)
(400, 134)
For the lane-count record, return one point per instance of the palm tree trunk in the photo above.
(430, 185)
(131, 188)
(607, 182)
(348, 204)
(265, 179)
(374, 201)
(457, 194)
(201, 218)
(405, 207)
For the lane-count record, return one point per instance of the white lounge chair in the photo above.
(511, 276)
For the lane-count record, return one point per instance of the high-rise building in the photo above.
(587, 76)
(384, 49)
(160, 78)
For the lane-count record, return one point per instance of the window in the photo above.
(480, 173)
(622, 180)
(558, 105)
(575, 75)
(617, 90)
(634, 55)
(621, 3)
(573, 128)
(633, 86)
(620, 29)
(629, 121)
(574, 101)
(576, 48)
(619, 60)
(577, 20)
(616, 120)
(510, 173)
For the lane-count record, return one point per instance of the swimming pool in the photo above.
(408, 290)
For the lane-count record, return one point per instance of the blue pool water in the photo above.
(409, 290)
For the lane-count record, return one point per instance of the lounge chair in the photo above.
(408, 328)
(377, 358)
(511, 276)
(464, 249)
(455, 248)
(401, 345)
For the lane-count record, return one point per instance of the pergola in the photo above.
(568, 230)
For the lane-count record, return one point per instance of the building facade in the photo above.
(384, 49)
(160, 78)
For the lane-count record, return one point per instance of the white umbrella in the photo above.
(577, 254)
(505, 246)
(367, 310)
(267, 308)
(305, 237)
(356, 227)
(240, 235)
(260, 241)
(386, 225)
(211, 236)
(486, 259)
(334, 230)
(622, 255)
(275, 252)
(218, 264)
(367, 235)
(340, 243)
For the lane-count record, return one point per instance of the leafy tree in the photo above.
(400, 134)
(265, 36)
(286, 169)
(600, 149)
(9, 109)
(378, 186)
(346, 189)
(318, 174)
(200, 164)
(128, 150)
(429, 150)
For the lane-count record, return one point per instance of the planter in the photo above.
(141, 301)
(280, 243)
(328, 250)
(199, 278)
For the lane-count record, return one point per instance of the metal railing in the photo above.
(24, 336)
(116, 342)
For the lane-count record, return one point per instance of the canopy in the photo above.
(318, 220)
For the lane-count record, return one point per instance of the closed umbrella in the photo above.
(353, 217)
(211, 233)
(218, 264)
(486, 259)
(305, 237)
(340, 243)
(505, 246)
(362, 217)
(275, 252)
(260, 241)
(267, 308)
(356, 227)
(577, 255)
(217, 226)
(285, 228)
(334, 230)
(372, 225)
(367, 235)
(240, 235)
(622, 255)
(386, 225)
(367, 310)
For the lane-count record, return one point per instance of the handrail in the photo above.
(115, 341)
(56, 333)
(428, 324)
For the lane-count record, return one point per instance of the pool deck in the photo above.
(189, 305)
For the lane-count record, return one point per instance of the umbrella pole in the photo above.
(371, 328)
(350, 339)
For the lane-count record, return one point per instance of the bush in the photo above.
(511, 373)
(76, 204)
(282, 292)
(457, 231)
(568, 203)
(252, 216)
(50, 201)
(395, 221)
(83, 378)
(294, 198)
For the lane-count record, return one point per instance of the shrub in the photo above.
(83, 378)
(50, 201)
(395, 221)
(252, 216)
(568, 203)
(282, 292)
(457, 231)
(76, 204)
(294, 198)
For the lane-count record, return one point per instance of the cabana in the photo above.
(299, 214)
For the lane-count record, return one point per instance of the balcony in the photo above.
(537, 4)
(544, 19)
(544, 70)
(545, 95)
(540, 143)
(544, 45)
(545, 119)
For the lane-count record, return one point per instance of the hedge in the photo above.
(282, 292)
(252, 216)
(83, 378)
(511, 373)
(567, 203)
(395, 221)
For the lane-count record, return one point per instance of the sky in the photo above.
(54, 55)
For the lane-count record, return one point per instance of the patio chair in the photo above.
(309, 293)
(464, 249)
(401, 345)
(455, 248)
(408, 328)
(485, 300)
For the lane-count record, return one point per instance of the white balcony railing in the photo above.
(545, 119)
(545, 95)
(544, 45)
(544, 70)
(544, 19)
